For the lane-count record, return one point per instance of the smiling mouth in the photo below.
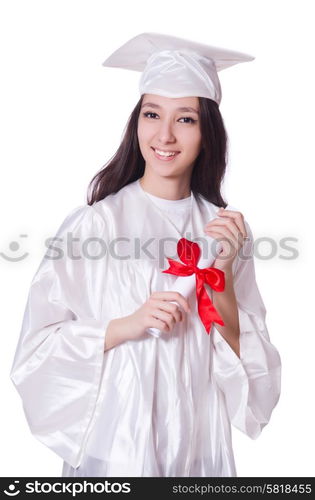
(160, 154)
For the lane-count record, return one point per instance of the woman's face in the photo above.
(169, 134)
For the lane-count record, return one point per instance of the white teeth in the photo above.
(164, 153)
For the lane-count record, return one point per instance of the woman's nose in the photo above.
(166, 133)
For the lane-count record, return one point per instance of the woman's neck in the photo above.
(167, 189)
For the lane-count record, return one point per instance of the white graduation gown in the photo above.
(147, 407)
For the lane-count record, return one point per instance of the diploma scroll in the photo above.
(185, 285)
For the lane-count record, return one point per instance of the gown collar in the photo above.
(202, 212)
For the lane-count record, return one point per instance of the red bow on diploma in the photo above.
(189, 253)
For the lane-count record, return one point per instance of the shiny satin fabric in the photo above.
(175, 67)
(180, 73)
(148, 407)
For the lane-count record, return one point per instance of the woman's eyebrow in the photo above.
(183, 108)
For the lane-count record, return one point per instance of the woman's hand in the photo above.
(230, 230)
(158, 311)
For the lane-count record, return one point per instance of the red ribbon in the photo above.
(189, 253)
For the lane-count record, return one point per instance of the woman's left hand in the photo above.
(230, 230)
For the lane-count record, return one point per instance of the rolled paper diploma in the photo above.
(185, 285)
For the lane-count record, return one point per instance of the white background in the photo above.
(62, 118)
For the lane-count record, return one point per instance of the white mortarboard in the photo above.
(175, 67)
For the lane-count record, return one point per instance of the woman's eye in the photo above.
(149, 113)
(188, 118)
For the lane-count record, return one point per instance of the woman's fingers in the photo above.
(169, 307)
(158, 323)
(166, 311)
(226, 224)
(228, 228)
(172, 296)
(237, 217)
(165, 308)
(168, 318)
(230, 232)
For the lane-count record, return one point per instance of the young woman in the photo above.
(98, 388)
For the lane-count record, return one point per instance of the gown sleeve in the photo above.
(59, 358)
(251, 383)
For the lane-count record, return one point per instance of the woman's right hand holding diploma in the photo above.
(159, 311)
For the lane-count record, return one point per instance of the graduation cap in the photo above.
(175, 67)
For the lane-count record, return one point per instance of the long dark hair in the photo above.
(127, 165)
